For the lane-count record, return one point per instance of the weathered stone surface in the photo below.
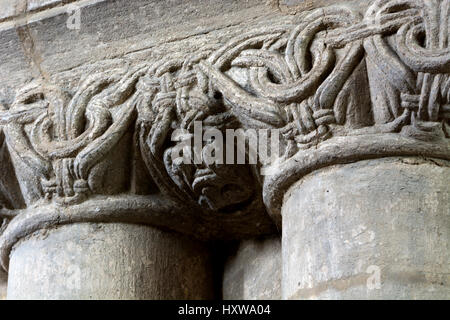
(343, 226)
(99, 95)
(318, 78)
(254, 271)
(143, 32)
(3, 284)
(297, 6)
(111, 31)
(40, 4)
(109, 261)
(17, 9)
(7, 8)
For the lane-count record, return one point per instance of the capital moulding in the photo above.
(340, 86)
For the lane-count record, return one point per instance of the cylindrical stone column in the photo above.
(375, 229)
(109, 261)
(3, 284)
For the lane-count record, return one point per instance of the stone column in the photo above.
(253, 272)
(108, 151)
(3, 285)
(92, 205)
(374, 229)
(109, 261)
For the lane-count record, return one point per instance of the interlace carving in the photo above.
(335, 74)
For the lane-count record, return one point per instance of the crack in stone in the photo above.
(29, 48)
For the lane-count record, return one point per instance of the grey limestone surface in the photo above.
(343, 84)
(254, 271)
(3, 284)
(109, 261)
(375, 229)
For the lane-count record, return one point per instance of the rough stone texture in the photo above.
(340, 84)
(116, 36)
(39, 44)
(254, 271)
(297, 6)
(7, 8)
(3, 285)
(109, 261)
(91, 113)
(343, 222)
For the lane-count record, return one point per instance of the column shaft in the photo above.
(109, 261)
(375, 229)
(254, 271)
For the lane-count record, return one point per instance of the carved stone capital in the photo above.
(338, 85)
